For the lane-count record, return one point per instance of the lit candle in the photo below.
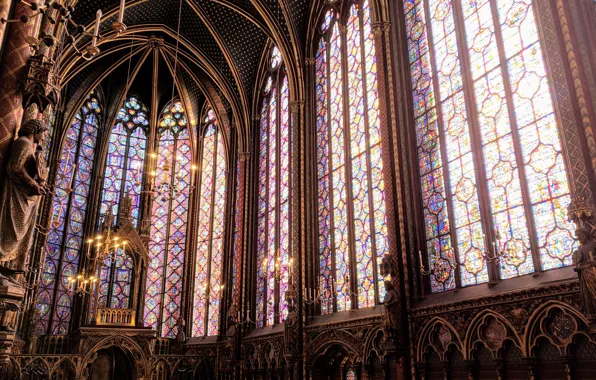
(420, 257)
(96, 31)
(121, 14)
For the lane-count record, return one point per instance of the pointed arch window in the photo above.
(115, 280)
(69, 205)
(493, 181)
(351, 208)
(210, 234)
(126, 157)
(273, 218)
(169, 223)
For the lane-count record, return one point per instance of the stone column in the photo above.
(4, 11)
(13, 68)
(243, 162)
(293, 297)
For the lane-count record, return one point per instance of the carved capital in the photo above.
(244, 156)
(581, 212)
(380, 27)
(296, 106)
(309, 61)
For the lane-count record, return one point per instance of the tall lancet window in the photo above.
(352, 226)
(169, 221)
(273, 235)
(65, 238)
(210, 235)
(126, 157)
(493, 181)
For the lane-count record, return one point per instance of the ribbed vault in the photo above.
(215, 50)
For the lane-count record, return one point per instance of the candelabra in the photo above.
(314, 297)
(54, 12)
(81, 284)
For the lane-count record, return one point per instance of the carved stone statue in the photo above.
(391, 302)
(584, 259)
(24, 184)
(180, 334)
(232, 321)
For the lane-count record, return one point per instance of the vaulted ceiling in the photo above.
(216, 48)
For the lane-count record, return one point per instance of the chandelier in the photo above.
(163, 189)
(54, 12)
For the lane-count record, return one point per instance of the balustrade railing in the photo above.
(115, 317)
(53, 344)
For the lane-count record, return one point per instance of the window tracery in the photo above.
(69, 207)
(273, 218)
(493, 181)
(169, 215)
(126, 158)
(208, 285)
(351, 209)
(115, 280)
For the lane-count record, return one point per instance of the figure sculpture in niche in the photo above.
(390, 317)
(21, 191)
(180, 334)
(584, 259)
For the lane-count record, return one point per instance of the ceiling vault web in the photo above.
(221, 45)
(227, 55)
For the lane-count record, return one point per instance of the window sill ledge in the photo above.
(504, 287)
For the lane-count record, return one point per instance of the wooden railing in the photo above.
(115, 317)
(162, 346)
(52, 344)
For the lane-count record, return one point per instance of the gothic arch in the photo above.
(328, 339)
(372, 345)
(440, 335)
(492, 330)
(127, 345)
(556, 322)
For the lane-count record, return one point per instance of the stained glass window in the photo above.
(169, 215)
(209, 255)
(274, 198)
(493, 180)
(69, 206)
(115, 280)
(351, 208)
(351, 375)
(126, 157)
